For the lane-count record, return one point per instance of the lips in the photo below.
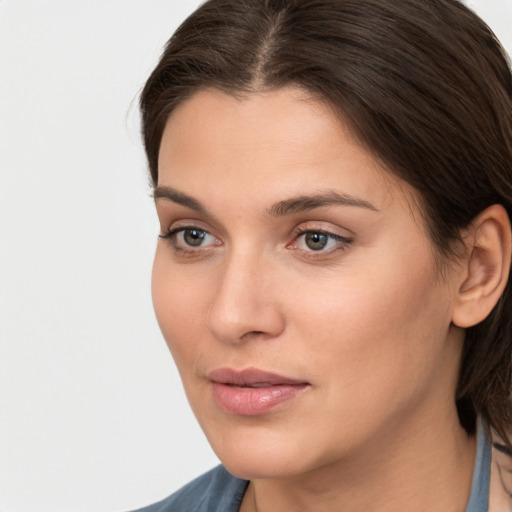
(252, 392)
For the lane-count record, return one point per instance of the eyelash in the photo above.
(172, 234)
(343, 241)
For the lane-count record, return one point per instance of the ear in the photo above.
(486, 267)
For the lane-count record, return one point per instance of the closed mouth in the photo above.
(251, 378)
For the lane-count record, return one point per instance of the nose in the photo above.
(245, 305)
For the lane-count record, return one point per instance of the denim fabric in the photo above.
(215, 491)
(479, 497)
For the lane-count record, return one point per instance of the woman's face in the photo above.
(296, 287)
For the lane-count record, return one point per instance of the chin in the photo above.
(262, 467)
(260, 453)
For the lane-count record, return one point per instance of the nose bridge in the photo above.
(244, 302)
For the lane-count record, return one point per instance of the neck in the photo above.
(414, 470)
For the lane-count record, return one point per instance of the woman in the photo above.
(333, 181)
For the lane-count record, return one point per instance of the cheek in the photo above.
(385, 324)
(180, 308)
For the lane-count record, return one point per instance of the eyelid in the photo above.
(173, 230)
(323, 227)
(343, 241)
(181, 247)
(329, 234)
(169, 226)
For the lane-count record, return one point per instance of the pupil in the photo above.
(316, 241)
(194, 237)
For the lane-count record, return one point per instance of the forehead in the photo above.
(283, 137)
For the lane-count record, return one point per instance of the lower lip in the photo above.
(248, 401)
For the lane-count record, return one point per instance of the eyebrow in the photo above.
(305, 203)
(290, 206)
(161, 192)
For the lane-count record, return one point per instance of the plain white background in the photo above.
(92, 413)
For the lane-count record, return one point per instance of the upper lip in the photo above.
(250, 377)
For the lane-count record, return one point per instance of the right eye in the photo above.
(188, 238)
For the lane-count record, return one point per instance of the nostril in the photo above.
(253, 333)
(249, 335)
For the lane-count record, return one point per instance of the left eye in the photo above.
(319, 241)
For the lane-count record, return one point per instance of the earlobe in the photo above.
(486, 267)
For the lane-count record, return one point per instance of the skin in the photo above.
(366, 321)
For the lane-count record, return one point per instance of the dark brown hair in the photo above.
(424, 85)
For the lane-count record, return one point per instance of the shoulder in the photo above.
(216, 490)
